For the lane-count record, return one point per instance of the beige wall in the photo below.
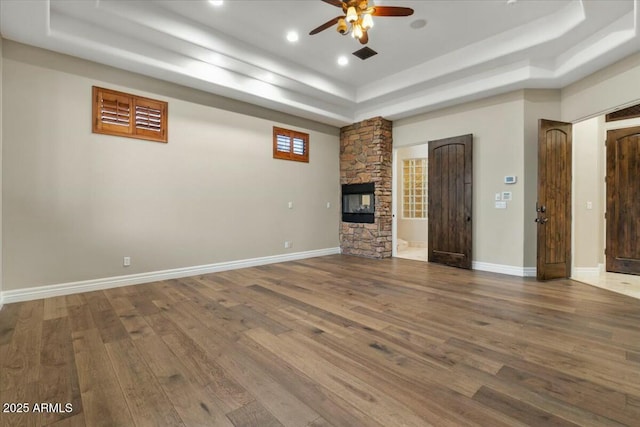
(497, 127)
(588, 173)
(75, 202)
(411, 230)
(599, 93)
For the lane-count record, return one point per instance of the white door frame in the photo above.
(394, 204)
(394, 196)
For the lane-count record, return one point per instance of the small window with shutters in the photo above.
(290, 145)
(123, 114)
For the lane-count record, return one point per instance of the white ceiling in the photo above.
(469, 48)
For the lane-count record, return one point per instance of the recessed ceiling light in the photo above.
(216, 2)
(343, 60)
(292, 36)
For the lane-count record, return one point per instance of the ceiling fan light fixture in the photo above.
(352, 16)
(358, 17)
(367, 21)
(342, 26)
(357, 31)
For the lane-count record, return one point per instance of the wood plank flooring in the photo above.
(330, 341)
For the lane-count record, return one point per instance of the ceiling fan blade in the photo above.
(365, 38)
(336, 3)
(326, 25)
(392, 11)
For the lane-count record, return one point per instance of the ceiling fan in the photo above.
(357, 18)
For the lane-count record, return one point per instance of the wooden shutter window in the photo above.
(299, 146)
(290, 145)
(123, 114)
(113, 115)
(151, 119)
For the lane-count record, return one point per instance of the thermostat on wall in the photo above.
(510, 179)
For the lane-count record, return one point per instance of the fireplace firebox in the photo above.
(358, 204)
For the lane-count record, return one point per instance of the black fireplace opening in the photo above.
(358, 204)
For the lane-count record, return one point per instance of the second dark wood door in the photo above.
(554, 200)
(623, 200)
(450, 193)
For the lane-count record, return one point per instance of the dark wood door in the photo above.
(450, 191)
(623, 200)
(554, 200)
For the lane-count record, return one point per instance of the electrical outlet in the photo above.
(288, 244)
(126, 261)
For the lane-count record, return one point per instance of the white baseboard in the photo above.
(587, 271)
(48, 291)
(504, 269)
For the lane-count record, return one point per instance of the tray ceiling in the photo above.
(467, 49)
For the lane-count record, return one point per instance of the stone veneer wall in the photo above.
(366, 156)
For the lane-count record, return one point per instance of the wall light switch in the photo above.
(589, 205)
(498, 196)
(328, 205)
(290, 204)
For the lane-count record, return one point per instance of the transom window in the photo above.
(414, 188)
(290, 145)
(123, 114)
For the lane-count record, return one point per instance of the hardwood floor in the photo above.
(331, 341)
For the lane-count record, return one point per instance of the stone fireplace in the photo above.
(365, 158)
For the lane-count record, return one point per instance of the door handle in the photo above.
(541, 220)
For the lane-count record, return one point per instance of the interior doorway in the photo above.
(410, 192)
(589, 207)
(623, 201)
